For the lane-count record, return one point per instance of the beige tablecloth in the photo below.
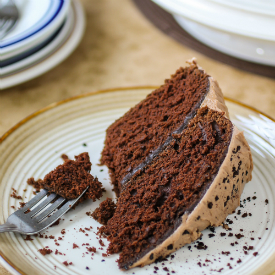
(121, 48)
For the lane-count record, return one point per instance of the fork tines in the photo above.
(33, 210)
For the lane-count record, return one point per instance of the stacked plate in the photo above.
(240, 28)
(46, 33)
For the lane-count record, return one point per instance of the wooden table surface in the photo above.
(121, 48)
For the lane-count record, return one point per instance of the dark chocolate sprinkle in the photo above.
(169, 247)
(239, 236)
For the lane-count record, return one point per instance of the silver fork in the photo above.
(31, 222)
(9, 16)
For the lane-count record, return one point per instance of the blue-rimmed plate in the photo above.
(59, 48)
(38, 21)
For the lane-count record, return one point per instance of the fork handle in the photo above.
(8, 227)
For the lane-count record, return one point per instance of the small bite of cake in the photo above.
(105, 211)
(70, 179)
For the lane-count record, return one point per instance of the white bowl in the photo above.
(243, 47)
(257, 6)
(222, 17)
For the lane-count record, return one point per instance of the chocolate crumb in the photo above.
(212, 229)
(45, 251)
(64, 157)
(14, 194)
(229, 265)
(91, 249)
(201, 246)
(28, 238)
(66, 263)
(101, 243)
(22, 204)
(239, 236)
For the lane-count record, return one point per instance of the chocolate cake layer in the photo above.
(142, 132)
(150, 209)
(70, 179)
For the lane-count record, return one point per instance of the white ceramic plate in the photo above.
(222, 17)
(243, 47)
(38, 21)
(34, 146)
(50, 56)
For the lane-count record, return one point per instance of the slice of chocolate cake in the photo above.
(178, 165)
(70, 179)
